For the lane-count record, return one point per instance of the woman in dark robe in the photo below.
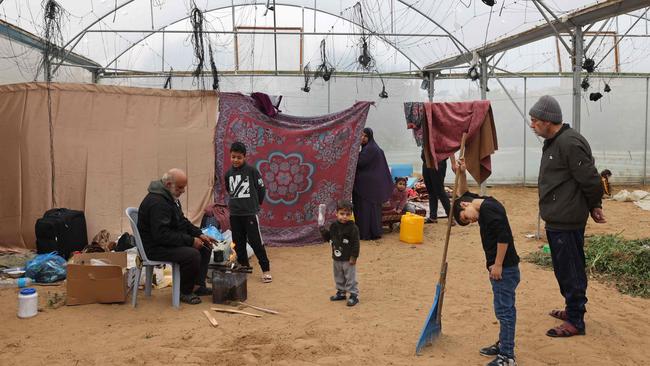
(373, 186)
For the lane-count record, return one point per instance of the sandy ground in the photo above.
(397, 283)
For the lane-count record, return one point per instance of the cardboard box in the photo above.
(89, 284)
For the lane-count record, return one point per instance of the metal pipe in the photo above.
(484, 80)
(577, 74)
(141, 74)
(232, 6)
(431, 89)
(525, 125)
(329, 98)
(234, 27)
(163, 51)
(454, 40)
(151, 7)
(79, 35)
(295, 33)
(523, 115)
(597, 34)
(275, 38)
(393, 75)
(315, 16)
(557, 33)
(498, 60)
(645, 136)
(302, 39)
(636, 16)
(554, 16)
(620, 39)
(509, 72)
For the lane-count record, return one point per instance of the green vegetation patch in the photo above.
(626, 263)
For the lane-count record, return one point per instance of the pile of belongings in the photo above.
(639, 197)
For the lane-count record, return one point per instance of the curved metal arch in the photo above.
(263, 4)
(82, 33)
(454, 40)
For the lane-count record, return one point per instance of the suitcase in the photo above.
(61, 230)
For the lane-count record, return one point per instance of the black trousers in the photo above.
(247, 229)
(193, 262)
(567, 253)
(434, 180)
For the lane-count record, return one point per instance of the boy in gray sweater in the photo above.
(246, 193)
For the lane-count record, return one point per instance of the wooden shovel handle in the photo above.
(443, 271)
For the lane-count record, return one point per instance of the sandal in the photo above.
(559, 314)
(191, 299)
(564, 330)
(267, 278)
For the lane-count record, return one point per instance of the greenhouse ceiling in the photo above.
(380, 36)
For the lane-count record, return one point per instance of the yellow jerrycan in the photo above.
(411, 228)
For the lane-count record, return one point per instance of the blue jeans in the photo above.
(504, 308)
(568, 255)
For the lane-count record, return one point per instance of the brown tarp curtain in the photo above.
(109, 143)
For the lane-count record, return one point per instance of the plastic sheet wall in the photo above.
(109, 143)
(615, 125)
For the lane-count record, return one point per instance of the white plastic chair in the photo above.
(132, 214)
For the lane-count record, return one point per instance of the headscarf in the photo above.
(373, 181)
(370, 134)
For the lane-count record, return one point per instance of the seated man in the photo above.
(168, 236)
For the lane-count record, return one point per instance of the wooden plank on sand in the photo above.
(258, 308)
(211, 318)
(231, 311)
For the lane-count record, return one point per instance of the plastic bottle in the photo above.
(321, 214)
(15, 282)
(27, 303)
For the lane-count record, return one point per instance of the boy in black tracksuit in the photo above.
(501, 260)
(343, 234)
(246, 191)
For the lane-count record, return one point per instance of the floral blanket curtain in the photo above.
(304, 161)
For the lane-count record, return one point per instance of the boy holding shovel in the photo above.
(501, 258)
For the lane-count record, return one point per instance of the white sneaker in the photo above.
(502, 360)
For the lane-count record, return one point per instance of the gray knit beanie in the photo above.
(547, 109)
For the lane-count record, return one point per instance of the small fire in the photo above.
(232, 258)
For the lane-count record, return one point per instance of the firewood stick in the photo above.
(212, 320)
(236, 312)
(258, 308)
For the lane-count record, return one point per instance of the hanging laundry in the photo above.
(444, 127)
(415, 118)
(269, 105)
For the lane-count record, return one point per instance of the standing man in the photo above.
(569, 191)
(434, 180)
(168, 236)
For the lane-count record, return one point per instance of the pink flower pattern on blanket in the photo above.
(329, 146)
(286, 176)
(254, 136)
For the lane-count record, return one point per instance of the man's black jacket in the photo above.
(161, 222)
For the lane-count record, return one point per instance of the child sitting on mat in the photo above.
(343, 235)
(399, 197)
(502, 261)
(392, 210)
